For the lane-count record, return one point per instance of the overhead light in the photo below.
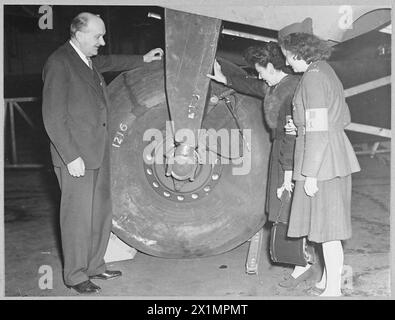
(387, 29)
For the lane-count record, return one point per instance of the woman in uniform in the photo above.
(324, 158)
(277, 91)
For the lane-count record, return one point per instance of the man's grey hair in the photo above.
(80, 22)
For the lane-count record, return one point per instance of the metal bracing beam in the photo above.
(22, 113)
(367, 86)
(229, 32)
(378, 147)
(363, 128)
(22, 99)
(12, 104)
(247, 35)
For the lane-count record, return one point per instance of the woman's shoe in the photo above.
(291, 282)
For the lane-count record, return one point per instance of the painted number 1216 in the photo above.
(119, 135)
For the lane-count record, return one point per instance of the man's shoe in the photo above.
(86, 287)
(107, 275)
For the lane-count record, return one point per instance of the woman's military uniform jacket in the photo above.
(321, 113)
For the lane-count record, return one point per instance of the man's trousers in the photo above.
(85, 221)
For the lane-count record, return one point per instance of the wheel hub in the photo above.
(185, 178)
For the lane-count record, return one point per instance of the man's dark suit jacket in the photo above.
(75, 104)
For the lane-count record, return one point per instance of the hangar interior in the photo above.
(214, 244)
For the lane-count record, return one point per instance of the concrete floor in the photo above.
(31, 241)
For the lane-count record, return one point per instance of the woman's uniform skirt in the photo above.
(324, 217)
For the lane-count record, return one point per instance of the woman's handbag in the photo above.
(284, 249)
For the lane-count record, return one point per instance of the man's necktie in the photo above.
(95, 73)
(89, 62)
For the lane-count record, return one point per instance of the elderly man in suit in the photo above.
(75, 108)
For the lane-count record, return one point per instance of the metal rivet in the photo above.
(180, 198)
(215, 176)
(149, 157)
(194, 196)
(155, 184)
(207, 189)
(149, 171)
(166, 194)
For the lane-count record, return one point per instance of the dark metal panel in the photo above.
(358, 61)
(191, 43)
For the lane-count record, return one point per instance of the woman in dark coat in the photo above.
(324, 158)
(277, 91)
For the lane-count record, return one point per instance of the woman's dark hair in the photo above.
(262, 55)
(306, 46)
